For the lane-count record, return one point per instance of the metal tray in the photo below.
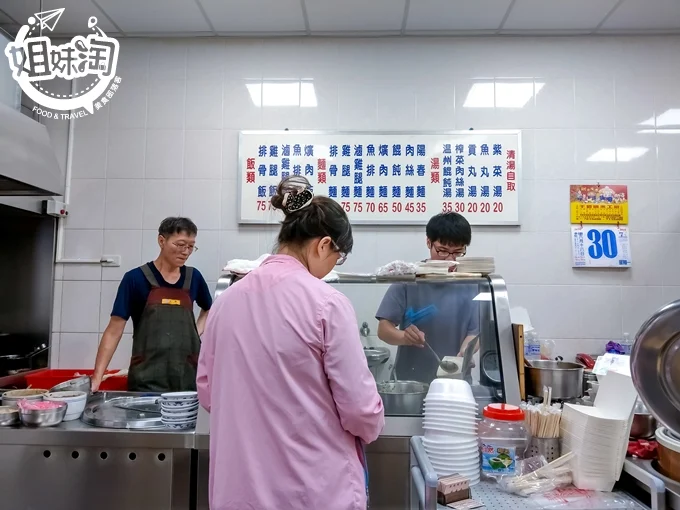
(141, 413)
(655, 365)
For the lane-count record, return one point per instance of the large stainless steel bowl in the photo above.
(43, 417)
(82, 383)
(13, 397)
(655, 365)
(565, 379)
(403, 397)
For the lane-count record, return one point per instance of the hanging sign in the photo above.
(600, 246)
(387, 178)
(605, 204)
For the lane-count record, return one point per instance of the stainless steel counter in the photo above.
(74, 465)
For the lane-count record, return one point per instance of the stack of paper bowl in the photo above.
(179, 410)
(450, 425)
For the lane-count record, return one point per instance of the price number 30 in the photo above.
(603, 243)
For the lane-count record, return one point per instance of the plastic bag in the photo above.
(538, 476)
(397, 268)
(571, 498)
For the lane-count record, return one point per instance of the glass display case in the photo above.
(465, 323)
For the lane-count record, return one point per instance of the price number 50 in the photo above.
(602, 243)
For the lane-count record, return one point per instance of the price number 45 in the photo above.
(603, 243)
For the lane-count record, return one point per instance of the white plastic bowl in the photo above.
(465, 455)
(455, 390)
(472, 444)
(463, 429)
(454, 418)
(76, 401)
(450, 437)
(453, 404)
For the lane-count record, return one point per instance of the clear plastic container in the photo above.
(503, 440)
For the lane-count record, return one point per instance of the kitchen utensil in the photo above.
(403, 397)
(13, 397)
(644, 426)
(586, 360)
(43, 417)
(102, 410)
(75, 400)
(669, 454)
(548, 447)
(376, 357)
(415, 317)
(565, 379)
(9, 416)
(655, 365)
(82, 383)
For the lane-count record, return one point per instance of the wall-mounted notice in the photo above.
(605, 204)
(600, 246)
(387, 178)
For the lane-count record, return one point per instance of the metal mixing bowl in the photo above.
(403, 397)
(82, 383)
(43, 417)
(9, 416)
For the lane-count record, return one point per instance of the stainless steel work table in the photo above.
(75, 466)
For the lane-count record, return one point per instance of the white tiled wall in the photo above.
(167, 142)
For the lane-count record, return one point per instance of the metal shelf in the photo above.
(424, 487)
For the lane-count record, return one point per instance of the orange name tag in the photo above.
(171, 302)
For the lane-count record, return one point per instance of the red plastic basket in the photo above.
(48, 378)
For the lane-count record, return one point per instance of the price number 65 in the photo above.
(603, 243)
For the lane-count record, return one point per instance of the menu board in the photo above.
(386, 178)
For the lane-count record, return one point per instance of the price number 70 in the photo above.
(602, 243)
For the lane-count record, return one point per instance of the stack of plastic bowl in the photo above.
(450, 425)
(179, 409)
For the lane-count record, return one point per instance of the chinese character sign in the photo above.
(381, 178)
(599, 203)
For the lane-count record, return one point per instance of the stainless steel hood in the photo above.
(28, 164)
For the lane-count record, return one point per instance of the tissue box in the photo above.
(452, 488)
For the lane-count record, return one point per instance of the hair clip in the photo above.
(294, 201)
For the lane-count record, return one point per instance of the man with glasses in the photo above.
(159, 297)
(453, 318)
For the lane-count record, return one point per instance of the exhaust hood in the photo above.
(28, 164)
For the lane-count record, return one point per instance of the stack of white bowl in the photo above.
(179, 409)
(450, 425)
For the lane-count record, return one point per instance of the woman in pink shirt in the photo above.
(283, 373)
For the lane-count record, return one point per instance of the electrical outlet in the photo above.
(110, 260)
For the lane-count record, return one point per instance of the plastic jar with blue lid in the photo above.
(503, 440)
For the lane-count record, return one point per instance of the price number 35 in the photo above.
(602, 243)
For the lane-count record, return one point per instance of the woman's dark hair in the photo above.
(308, 217)
(177, 225)
(449, 229)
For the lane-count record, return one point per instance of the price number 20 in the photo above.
(603, 243)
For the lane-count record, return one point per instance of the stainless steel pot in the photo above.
(376, 357)
(565, 379)
(403, 397)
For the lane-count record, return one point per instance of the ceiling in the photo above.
(134, 18)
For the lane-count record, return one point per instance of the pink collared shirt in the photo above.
(283, 374)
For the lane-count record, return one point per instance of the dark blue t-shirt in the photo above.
(456, 316)
(134, 290)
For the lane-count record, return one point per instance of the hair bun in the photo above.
(294, 201)
(293, 193)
